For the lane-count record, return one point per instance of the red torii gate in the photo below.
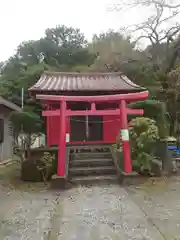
(122, 111)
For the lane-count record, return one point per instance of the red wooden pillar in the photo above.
(62, 141)
(125, 137)
(48, 127)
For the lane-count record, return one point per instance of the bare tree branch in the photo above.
(154, 27)
(163, 4)
(134, 3)
(161, 29)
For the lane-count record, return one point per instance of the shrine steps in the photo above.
(86, 180)
(92, 167)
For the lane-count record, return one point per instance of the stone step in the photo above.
(94, 179)
(90, 148)
(91, 162)
(101, 170)
(91, 155)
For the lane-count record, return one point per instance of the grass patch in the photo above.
(155, 185)
(10, 177)
(8, 172)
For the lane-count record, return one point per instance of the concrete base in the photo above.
(58, 182)
(120, 178)
(124, 176)
(131, 174)
(131, 178)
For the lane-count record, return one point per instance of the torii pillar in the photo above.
(125, 137)
(62, 141)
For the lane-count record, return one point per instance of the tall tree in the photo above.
(112, 50)
(118, 53)
(161, 30)
(62, 49)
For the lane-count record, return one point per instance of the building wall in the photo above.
(6, 147)
(53, 130)
(111, 128)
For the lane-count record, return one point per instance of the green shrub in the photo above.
(46, 165)
(143, 135)
(155, 110)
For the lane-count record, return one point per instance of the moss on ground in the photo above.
(10, 177)
(155, 185)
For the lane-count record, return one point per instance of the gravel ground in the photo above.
(147, 211)
(27, 215)
(160, 202)
(101, 212)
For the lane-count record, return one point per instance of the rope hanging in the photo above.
(76, 120)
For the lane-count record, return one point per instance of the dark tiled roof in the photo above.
(63, 81)
(9, 105)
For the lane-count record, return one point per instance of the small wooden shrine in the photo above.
(87, 108)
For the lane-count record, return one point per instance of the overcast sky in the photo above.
(27, 19)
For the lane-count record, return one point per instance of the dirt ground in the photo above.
(147, 210)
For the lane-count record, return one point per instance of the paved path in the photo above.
(26, 216)
(97, 212)
(101, 213)
(160, 201)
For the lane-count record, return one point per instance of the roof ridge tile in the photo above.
(71, 81)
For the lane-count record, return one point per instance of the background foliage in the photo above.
(143, 135)
(62, 48)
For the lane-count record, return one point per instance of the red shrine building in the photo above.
(87, 108)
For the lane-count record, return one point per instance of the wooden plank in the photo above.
(94, 112)
(6, 163)
(101, 98)
(135, 111)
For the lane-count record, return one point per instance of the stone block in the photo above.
(58, 182)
